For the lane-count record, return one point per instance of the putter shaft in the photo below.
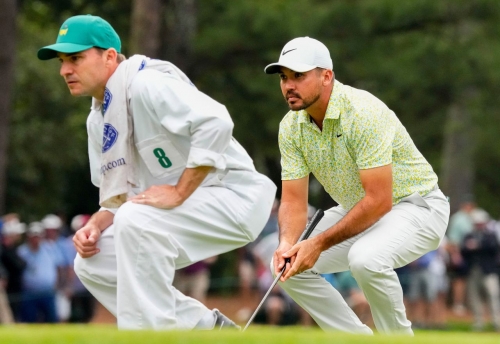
(264, 298)
(309, 228)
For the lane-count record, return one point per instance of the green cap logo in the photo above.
(80, 33)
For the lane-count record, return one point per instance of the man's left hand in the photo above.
(159, 196)
(306, 254)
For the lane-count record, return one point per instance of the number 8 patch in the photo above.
(160, 156)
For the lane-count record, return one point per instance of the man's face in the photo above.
(51, 233)
(10, 240)
(301, 90)
(34, 241)
(85, 72)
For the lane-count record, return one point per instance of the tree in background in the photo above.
(145, 26)
(435, 63)
(8, 11)
(179, 33)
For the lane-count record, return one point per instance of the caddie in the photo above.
(175, 186)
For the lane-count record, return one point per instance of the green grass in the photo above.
(99, 334)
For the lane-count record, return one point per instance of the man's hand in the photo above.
(159, 196)
(170, 196)
(303, 256)
(278, 260)
(85, 240)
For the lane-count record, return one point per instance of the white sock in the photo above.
(207, 322)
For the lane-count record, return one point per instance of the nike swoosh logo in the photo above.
(286, 52)
(339, 135)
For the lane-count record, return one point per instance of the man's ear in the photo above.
(111, 55)
(328, 76)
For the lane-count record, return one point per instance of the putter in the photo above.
(307, 232)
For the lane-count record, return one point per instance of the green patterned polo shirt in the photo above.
(359, 132)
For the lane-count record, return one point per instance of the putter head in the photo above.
(223, 322)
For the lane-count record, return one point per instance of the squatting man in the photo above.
(390, 210)
(175, 187)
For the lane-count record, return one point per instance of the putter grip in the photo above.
(318, 215)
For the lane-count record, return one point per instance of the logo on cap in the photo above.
(109, 138)
(286, 52)
(64, 31)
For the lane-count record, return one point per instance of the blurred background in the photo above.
(436, 63)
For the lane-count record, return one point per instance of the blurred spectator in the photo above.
(39, 278)
(427, 279)
(460, 224)
(82, 301)
(65, 255)
(194, 280)
(494, 227)
(479, 250)
(64, 229)
(14, 265)
(6, 316)
(5, 311)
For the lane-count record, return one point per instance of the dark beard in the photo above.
(306, 103)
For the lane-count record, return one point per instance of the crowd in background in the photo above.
(460, 278)
(37, 280)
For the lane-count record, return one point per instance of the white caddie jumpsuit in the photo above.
(175, 126)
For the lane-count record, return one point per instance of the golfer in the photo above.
(390, 209)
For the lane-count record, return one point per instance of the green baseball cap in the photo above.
(80, 33)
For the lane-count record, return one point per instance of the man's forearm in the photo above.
(362, 216)
(102, 219)
(190, 180)
(292, 219)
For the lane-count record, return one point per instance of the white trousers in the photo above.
(132, 275)
(413, 227)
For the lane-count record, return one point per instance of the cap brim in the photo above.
(50, 51)
(297, 67)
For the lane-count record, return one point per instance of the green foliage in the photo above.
(413, 55)
(418, 56)
(48, 163)
(47, 135)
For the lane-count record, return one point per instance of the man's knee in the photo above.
(364, 267)
(81, 267)
(124, 218)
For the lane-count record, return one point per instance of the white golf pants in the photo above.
(132, 275)
(412, 228)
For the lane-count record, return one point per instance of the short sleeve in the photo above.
(372, 134)
(293, 164)
(185, 111)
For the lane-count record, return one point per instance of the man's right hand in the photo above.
(278, 260)
(85, 240)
